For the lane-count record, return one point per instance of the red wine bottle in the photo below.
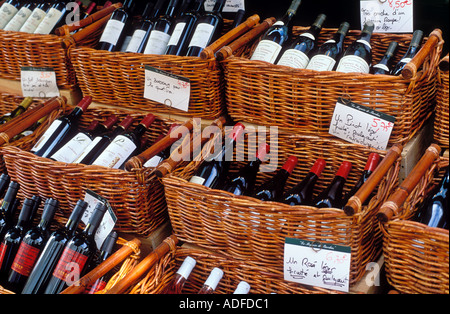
(298, 54)
(244, 182)
(8, 9)
(272, 189)
(124, 146)
(276, 36)
(142, 27)
(54, 18)
(384, 66)
(358, 56)
(60, 130)
(7, 208)
(37, 200)
(76, 255)
(31, 246)
(36, 17)
(413, 49)
(207, 30)
(45, 265)
(162, 155)
(213, 171)
(302, 193)
(212, 282)
(181, 276)
(146, 28)
(331, 197)
(20, 17)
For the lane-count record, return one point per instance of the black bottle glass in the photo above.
(413, 49)
(7, 208)
(384, 66)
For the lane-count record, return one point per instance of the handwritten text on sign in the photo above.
(361, 125)
(38, 82)
(389, 16)
(166, 88)
(230, 5)
(317, 264)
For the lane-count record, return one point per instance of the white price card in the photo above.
(361, 125)
(38, 82)
(389, 16)
(230, 5)
(317, 264)
(166, 88)
(108, 221)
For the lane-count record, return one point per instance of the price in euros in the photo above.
(379, 124)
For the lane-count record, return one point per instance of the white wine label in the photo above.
(321, 63)
(44, 138)
(38, 82)
(33, 21)
(72, 149)
(49, 21)
(153, 162)
(406, 60)
(117, 153)
(88, 149)
(294, 58)
(364, 42)
(176, 34)
(381, 66)
(198, 180)
(353, 63)
(18, 20)
(136, 40)
(157, 43)
(266, 50)
(112, 32)
(202, 35)
(7, 11)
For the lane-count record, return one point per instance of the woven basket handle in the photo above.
(354, 204)
(410, 69)
(392, 206)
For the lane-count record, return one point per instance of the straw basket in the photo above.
(441, 135)
(252, 230)
(301, 100)
(417, 256)
(136, 196)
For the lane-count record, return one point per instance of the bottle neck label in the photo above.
(25, 259)
(33, 21)
(112, 32)
(266, 50)
(321, 63)
(157, 43)
(278, 23)
(72, 149)
(381, 66)
(18, 20)
(136, 40)
(294, 58)
(70, 264)
(364, 42)
(116, 153)
(202, 35)
(353, 63)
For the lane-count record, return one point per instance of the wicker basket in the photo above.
(441, 135)
(417, 256)
(249, 229)
(136, 196)
(301, 100)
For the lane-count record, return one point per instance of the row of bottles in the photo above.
(34, 260)
(278, 47)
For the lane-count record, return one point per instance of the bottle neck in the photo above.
(197, 6)
(218, 7)
(171, 8)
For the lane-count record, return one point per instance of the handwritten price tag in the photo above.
(317, 264)
(38, 82)
(166, 88)
(230, 5)
(361, 125)
(389, 16)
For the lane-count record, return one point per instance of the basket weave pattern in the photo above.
(441, 134)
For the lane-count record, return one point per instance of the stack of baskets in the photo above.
(441, 135)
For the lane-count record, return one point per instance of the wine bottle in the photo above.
(12, 239)
(302, 193)
(76, 255)
(35, 17)
(214, 169)
(371, 165)
(146, 28)
(164, 154)
(384, 66)
(276, 36)
(99, 143)
(105, 252)
(54, 18)
(330, 51)
(46, 263)
(434, 210)
(183, 30)
(26, 102)
(77, 144)
(30, 130)
(212, 282)
(115, 30)
(37, 200)
(413, 49)
(4, 182)
(7, 208)
(207, 29)
(242, 288)
(20, 17)
(181, 276)
(8, 9)
(331, 197)
(358, 56)
(297, 55)
(238, 18)
(244, 182)
(142, 27)
(124, 146)
(31, 246)
(60, 129)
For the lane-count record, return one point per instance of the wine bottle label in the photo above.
(198, 180)
(33, 21)
(266, 50)
(294, 58)
(364, 42)
(7, 11)
(176, 34)
(153, 162)
(157, 43)
(70, 263)
(98, 285)
(202, 35)
(116, 153)
(18, 20)
(321, 63)
(405, 60)
(112, 32)
(353, 63)
(381, 66)
(47, 134)
(3, 248)
(73, 148)
(136, 40)
(49, 22)
(25, 259)
(88, 149)
(125, 43)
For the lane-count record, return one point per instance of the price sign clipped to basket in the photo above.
(317, 264)
(361, 125)
(389, 16)
(166, 88)
(230, 5)
(38, 82)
